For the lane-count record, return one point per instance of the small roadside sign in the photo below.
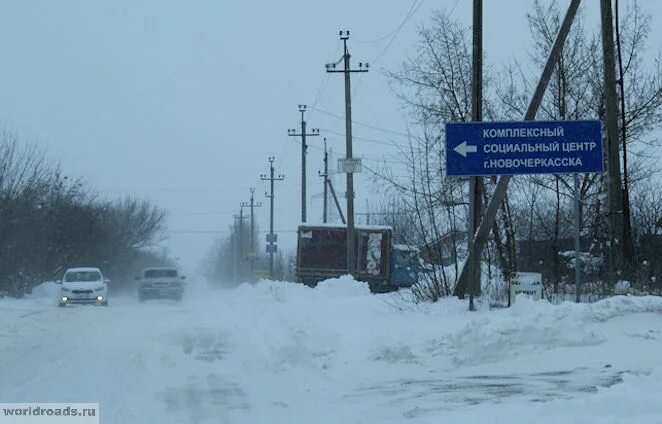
(350, 165)
(272, 238)
(526, 283)
(272, 248)
(526, 147)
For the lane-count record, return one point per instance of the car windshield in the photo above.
(82, 276)
(161, 273)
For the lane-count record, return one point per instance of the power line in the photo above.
(369, 140)
(410, 13)
(202, 213)
(363, 157)
(324, 83)
(363, 124)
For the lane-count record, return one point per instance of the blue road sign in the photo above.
(527, 147)
(272, 248)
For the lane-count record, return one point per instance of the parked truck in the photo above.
(322, 254)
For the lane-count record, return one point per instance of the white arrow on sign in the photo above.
(464, 148)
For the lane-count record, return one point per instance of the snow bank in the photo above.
(334, 289)
(530, 326)
(343, 287)
(527, 327)
(46, 290)
(282, 352)
(622, 305)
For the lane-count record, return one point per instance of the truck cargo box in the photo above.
(322, 253)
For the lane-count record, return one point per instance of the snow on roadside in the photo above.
(48, 290)
(636, 400)
(623, 305)
(534, 326)
(337, 353)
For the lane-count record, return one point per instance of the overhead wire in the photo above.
(408, 15)
(363, 124)
(366, 139)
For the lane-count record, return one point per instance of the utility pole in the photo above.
(251, 254)
(271, 237)
(240, 245)
(578, 284)
(331, 67)
(335, 200)
(501, 189)
(233, 248)
(304, 151)
(614, 193)
(475, 183)
(328, 185)
(325, 177)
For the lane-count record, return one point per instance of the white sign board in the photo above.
(349, 165)
(527, 283)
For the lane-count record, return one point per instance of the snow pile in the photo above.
(529, 326)
(623, 305)
(282, 352)
(343, 287)
(46, 290)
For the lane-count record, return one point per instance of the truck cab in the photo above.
(406, 265)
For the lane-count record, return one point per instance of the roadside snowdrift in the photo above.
(279, 352)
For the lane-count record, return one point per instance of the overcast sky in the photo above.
(182, 102)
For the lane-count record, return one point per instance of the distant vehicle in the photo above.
(322, 254)
(160, 283)
(83, 285)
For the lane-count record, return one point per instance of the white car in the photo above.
(83, 285)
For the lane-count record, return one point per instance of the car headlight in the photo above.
(100, 298)
(65, 298)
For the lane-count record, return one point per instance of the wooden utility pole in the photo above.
(500, 191)
(475, 183)
(240, 244)
(252, 255)
(351, 255)
(628, 242)
(335, 200)
(325, 177)
(328, 187)
(271, 238)
(304, 151)
(234, 247)
(614, 190)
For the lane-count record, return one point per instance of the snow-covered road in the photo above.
(284, 353)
